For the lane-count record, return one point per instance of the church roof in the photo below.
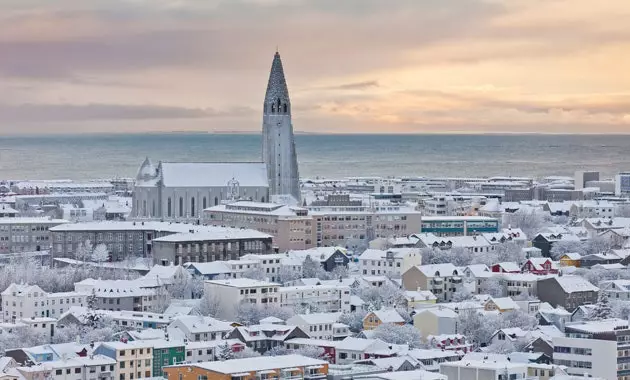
(212, 174)
(277, 86)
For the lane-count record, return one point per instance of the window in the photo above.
(77, 370)
(181, 206)
(205, 202)
(58, 372)
(121, 364)
(169, 207)
(202, 377)
(192, 206)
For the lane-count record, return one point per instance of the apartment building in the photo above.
(596, 348)
(26, 301)
(329, 298)
(484, 370)
(440, 279)
(291, 227)
(117, 295)
(230, 293)
(392, 262)
(272, 265)
(26, 234)
(135, 358)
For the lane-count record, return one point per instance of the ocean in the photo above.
(93, 156)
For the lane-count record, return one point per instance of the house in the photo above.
(352, 349)
(450, 342)
(516, 284)
(167, 352)
(430, 359)
(506, 267)
(570, 260)
(374, 319)
(95, 366)
(321, 325)
(392, 262)
(262, 338)
(539, 266)
(545, 240)
(616, 289)
(582, 313)
(25, 301)
(417, 298)
(603, 258)
(440, 279)
(328, 257)
(474, 276)
(206, 350)
(264, 367)
(567, 291)
(435, 321)
(197, 328)
(393, 364)
(501, 304)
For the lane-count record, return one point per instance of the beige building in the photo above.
(441, 279)
(230, 293)
(135, 358)
(291, 227)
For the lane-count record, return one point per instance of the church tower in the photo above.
(278, 144)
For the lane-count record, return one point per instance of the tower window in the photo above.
(205, 203)
(216, 201)
(169, 208)
(181, 206)
(285, 108)
(192, 206)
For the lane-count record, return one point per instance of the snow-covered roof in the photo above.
(419, 295)
(195, 323)
(439, 312)
(437, 270)
(509, 266)
(572, 256)
(242, 283)
(214, 233)
(316, 318)
(388, 316)
(32, 220)
(213, 174)
(259, 364)
(358, 344)
(317, 253)
(572, 284)
(504, 303)
(599, 326)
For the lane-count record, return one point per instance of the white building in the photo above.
(272, 264)
(324, 298)
(392, 262)
(91, 367)
(320, 325)
(483, 370)
(616, 289)
(26, 234)
(230, 293)
(26, 301)
(198, 328)
(597, 348)
(135, 358)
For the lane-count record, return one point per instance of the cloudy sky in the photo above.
(408, 66)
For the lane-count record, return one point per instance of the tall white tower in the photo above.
(278, 144)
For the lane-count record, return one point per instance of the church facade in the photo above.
(180, 191)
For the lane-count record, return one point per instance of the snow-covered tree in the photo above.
(354, 320)
(623, 211)
(476, 326)
(561, 247)
(395, 334)
(459, 256)
(278, 351)
(20, 336)
(287, 274)
(377, 297)
(510, 251)
(162, 300)
(251, 314)
(100, 254)
(208, 305)
(310, 351)
(255, 274)
(603, 309)
(461, 294)
(246, 353)
(493, 286)
(312, 268)
(531, 222)
(84, 251)
(518, 318)
(621, 309)
(224, 352)
(597, 244)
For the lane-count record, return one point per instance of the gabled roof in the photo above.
(572, 284)
(388, 316)
(438, 270)
(358, 344)
(504, 303)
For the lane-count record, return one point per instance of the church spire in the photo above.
(277, 95)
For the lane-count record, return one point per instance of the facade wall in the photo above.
(25, 234)
(179, 253)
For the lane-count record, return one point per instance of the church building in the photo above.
(180, 191)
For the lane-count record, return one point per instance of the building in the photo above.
(592, 209)
(117, 295)
(567, 291)
(126, 239)
(331, 298)
(210, 243)
(440, 279)
(352, 349)
(622, 184)
(165, 353)
(83, 367)
(278, 145)
(135, 358)
(292, 227)
(328, 257)
(435, 321)
(273, 265)
(582, 177)
(392, 262)
(231, 293)
(616, 289)
(264, 367)
(26, 234)
(376, 318)
(26, 301)
(265, 337)
(483, 370)
(596, 348)
(321, 325)
(199, 328)
(458, 225)
(180, 191)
